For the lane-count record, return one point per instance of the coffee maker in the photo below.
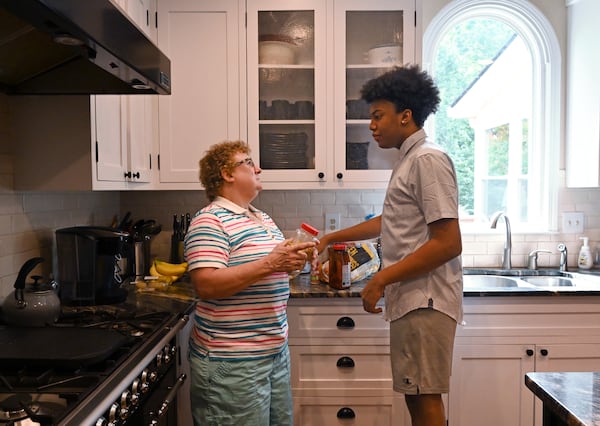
(94, 265)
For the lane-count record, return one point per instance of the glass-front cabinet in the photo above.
(307, 61)
(377, 36)
(286, 59)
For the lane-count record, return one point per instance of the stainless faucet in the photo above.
(533, 256)
(563, 257)
(506, 264)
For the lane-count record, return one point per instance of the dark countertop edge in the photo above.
(548, 387)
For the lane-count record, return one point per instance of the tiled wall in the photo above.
(28, 219)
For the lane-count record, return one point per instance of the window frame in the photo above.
(545, 133)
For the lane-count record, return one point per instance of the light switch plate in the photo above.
(332, 222)
(572, 222)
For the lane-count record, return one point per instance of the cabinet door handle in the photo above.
(544, 352)
(346, 413)
(136, 175)
(321, 175)
(127, 175)
(345, 322)
(345, 362)
(340, 175)
(529, 352)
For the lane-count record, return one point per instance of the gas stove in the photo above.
(120, 361)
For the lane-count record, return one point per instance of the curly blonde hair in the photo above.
(215, 159)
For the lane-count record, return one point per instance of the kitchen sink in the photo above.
(519, 280)
(488, 281)
(551, 281)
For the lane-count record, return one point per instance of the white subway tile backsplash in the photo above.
(347, 197)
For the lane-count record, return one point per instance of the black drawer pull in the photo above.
(345, 362)
(345, 322)
(544, 352)
(529, 352)
(346, 413)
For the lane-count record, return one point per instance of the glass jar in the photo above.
(304, 234)
(339, 267)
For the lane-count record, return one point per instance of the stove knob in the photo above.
(101, 422)
(153, 376)
(145, 380)
(113, 413)
(159, 359)
(168, 355)
(136, 389)
(125, 404)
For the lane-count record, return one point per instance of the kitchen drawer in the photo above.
(341, 367)
(354, 411)
(335, 322)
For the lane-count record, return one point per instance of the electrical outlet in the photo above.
(572, 222)
(332, 222)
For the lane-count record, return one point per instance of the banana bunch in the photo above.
(167, 272)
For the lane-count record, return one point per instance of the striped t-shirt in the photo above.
(252, 323)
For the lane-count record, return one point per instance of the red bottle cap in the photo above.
(313, 231)
(339, 246)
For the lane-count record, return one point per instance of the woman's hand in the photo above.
(288, 256)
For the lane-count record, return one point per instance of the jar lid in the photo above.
(339, 246)
(309, 229)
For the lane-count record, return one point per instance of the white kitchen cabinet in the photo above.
(340, 359)
(306, 123)
(502, 340)
(583, 94)
(123, 132)
(202, 39)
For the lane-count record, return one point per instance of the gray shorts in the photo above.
(421, 344)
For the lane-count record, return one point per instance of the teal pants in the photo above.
(241, 393)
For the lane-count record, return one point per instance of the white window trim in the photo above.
(537, 32)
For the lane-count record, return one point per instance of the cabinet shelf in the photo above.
(287, 66)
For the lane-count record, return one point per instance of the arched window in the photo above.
(497, 64)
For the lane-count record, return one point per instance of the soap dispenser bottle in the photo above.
(585, 260)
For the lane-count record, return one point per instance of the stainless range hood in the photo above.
(76, 47)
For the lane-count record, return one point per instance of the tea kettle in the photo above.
(35, 304)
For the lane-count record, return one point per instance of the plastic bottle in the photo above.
(303, 234)
(585, 260)
(339, 267)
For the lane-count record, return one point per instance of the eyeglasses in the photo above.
(247, 161)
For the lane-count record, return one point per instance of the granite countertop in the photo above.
(300, 287)
(571, 399)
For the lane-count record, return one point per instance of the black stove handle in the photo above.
(170, 397)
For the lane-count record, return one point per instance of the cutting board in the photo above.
(57, 346)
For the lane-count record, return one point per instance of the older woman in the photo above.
(239, 263)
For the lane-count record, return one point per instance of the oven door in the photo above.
(160, 407)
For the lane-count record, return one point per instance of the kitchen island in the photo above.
(570, 399)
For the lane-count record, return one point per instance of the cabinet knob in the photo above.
(544, 352)
(127, 175)
(345, 362)
(529, 352)
(136, 175)
(321, 175)
(346, 413)
(340, 175)
(345, 322)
